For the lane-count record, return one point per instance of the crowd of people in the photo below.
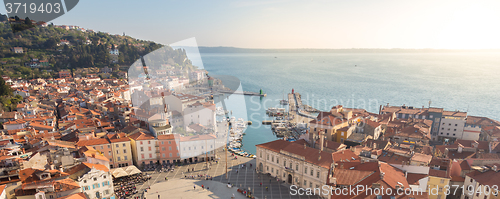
(125, 186)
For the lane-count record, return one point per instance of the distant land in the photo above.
(204, 49)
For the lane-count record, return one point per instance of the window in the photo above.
(150, 155)
(312, 172)
(449, 124)
(310, 184)
(169, 142)
(117, 151)
(163, 148)
(170, 154)
(109, 152)
(297, 167)
(125, 157)
(277, 160)
(169, 148)
(102, 147)
(305, 182)
(454, 129)
(201, 147)
(267, 156)
(149, 148)
(141, 142)
(261, 154)
(142, 156)
(109, 146)
(305, 170)
(442, 128)
(117, 145)
(142, 149)
(317, 174)
(447, 133)
(272, 170)
(456, 124)
(124, 150)
(95, 179)
(119, 159)
(162, 142)
(267, 168)
(84, 181)
(149, 142)
(272, 158)
(124, 145)
(284, 163)
(163, 155)
(291, 166)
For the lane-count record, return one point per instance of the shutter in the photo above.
(103, 184)
(93, 186)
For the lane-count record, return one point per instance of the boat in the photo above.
(283, 101)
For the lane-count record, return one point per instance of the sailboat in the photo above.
(283, 101)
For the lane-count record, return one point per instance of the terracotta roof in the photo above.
(141, 136)
(489, 177)
(413, 178)
(92, 142)
(350, 177)
(311, 155)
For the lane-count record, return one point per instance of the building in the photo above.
(143, 148)
(197, 148)
(452, 125)
(169, 148)
(95, 180)
(64, 74)
(102, 145)
(294, 163)
(122, 150)
(483, 184)
(17, 49)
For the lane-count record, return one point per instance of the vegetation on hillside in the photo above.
(85, 50)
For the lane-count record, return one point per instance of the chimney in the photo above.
(494, 168)
(319, 158)
(321, 140)
(382, 175)
(374, 145)
(304, 145)
(342, 165)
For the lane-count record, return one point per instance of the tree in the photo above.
(4, 88)
(27, 21)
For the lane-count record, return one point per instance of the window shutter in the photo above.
(103, 184)
(93, 186)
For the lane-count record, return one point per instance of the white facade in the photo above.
(285, 165)
(452, 127)
(97, 184)
(146, 151)
(197, 148)
(199, 115)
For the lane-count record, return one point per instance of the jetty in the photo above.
(261, 94)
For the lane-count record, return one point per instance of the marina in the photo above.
(235, 136)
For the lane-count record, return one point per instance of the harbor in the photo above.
(292, 124)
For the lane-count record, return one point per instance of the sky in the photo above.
(335, 24)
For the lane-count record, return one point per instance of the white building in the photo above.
(200, 113)
(452, 125)
(94, 179)
(193, 148)
(482, 184)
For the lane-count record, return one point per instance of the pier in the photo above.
(295, 105)
(242, 93)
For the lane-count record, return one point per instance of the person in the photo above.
(267, 189)
(207, 187)
(158, 196)
(261, 184)
(194, 187)
(202, 187)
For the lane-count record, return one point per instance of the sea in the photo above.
(464, 81)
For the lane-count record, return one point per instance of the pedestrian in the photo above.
(202, 187)
(207, 187)
(194, 187)
(158, 196)
(261, 184)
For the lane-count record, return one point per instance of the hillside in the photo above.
(44, 50)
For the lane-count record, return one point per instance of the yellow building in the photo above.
(439, 178)
(342, 134)
(122, 150)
